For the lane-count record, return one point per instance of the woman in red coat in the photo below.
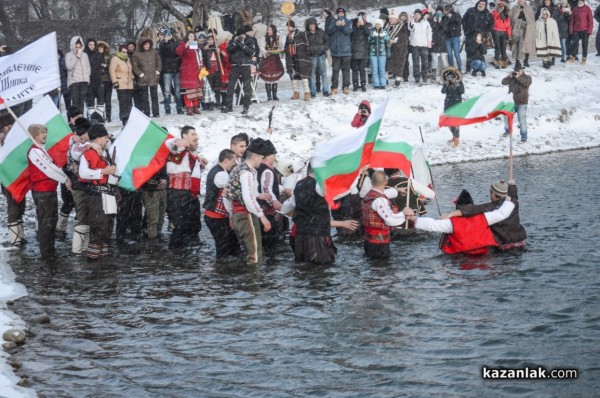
(191, 64)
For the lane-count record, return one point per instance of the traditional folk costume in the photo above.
(216, 214)
(183, 205)
(271, 67)
(44, 176)
(269, 182)
(377, 218)
(99, 193)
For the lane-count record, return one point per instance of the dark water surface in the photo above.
(157, 324)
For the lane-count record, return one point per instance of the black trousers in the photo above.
(338, 63)
(108, 89)
(68, 204)
(145, 100)
(500, 39)
(184, 213)
(583, 36)
(377, 250)
(129, 215)
(78, 94)
(100, 226)
(46, 209)
(420, 62)
(124, 97)
(244, 74)
(95, 94)
(358, 71)
(406, 69)
(226, 241)
(214, 79)
(15, 210)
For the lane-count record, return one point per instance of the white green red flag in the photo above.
(479, 109)
(13, 155)
(30, 72)
(392, 152)
(337, 162)
(140, 150)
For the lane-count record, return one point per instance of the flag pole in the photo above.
(431, 175)
(510, 154)
(408, 195)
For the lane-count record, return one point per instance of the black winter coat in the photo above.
(478, 51)
(477, 21)
(360, 42)
(170, 61)
(96, 60)
(241, 52)
(318, 42)
(453, 94)
(452, 25)
(300, 66)
(438, 42)
(563, 21)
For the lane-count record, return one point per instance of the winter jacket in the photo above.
(191, 61)
(121, 71)
(581, 20)
(62, 68)
(477, 21)
(519, 87)
(563, 24)
(515, 23)
(379, 43)
(169, 59)
(453, 93)
(318, 42)
(360, 38)
(597, 14)
(341, 44)
(146, 66)
(452, 25)
(241, 52)
(399, 48)
(478, 51)
(95, 59)
(438, 44)
(420, 33)
(300, 66)
(78, 66)
(547, 40)
(501, 25)
(553, 9)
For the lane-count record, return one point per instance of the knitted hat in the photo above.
(500, 188)
(380, 22)
(36, 129)
(97, 131)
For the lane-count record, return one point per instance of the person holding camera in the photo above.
(339, 30)
(518, 84)
(243, 52)
(454, 89)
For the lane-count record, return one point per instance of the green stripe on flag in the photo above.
(143, 153)
(15, 163)
(57, 130)
(395, 147)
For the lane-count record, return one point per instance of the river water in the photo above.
(158, 324)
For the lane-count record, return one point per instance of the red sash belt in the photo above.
(239, 208)
(212, 214)
(377, 236)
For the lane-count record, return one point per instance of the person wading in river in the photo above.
(378, 217)
(44, 176)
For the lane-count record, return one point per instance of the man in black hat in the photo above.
(269, 180)
(95, 171)
(243, 191)
(243, 51)
(518, 83)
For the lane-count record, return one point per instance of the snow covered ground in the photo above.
(563, 114)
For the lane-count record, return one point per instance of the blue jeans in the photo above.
(453, 50)
(563, 47)
(378, 70)
(521, 111)
(319, 61)
(478, 65)
(171, 83)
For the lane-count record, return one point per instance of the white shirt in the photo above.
(184, 166)
(248, 184)
(88, 173)
(382, 207)
(445, 226)
(46, 165)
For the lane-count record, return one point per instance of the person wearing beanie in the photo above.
(454, 89)
(243, 192)
(269, 181)
(468, 231)
(44, 176)
(97, 173)
(243, 53)
(581, 26)
(384, 14)
(339, 30)
(508, 232)
(518, 83)
(420, 40)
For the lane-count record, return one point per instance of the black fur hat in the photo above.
(259, 147)
(464, 199)
(81, 126)
(97, 131)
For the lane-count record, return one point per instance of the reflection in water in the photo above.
(149, 322)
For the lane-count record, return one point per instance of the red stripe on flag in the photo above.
(58, 152)
(391, 160)
(448, 121)
(142, 174)
(1, 100)
(19, 188)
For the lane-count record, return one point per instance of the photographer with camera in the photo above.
(243, 52)
(454, 89)
(518, 84)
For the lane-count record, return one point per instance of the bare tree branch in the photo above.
(171, 9)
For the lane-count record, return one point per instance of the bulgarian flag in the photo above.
(479, 109)
(337, 162)
(140, 150)
(390, 151)
(13, 155)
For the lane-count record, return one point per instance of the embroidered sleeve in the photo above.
(247, 181)
(45, 164)
(382, 207)
(88, 173)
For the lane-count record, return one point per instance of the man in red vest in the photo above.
(471, 235)
(44, 176)
(378, 217)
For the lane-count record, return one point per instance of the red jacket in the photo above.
(501, 25)
(190, 66)
(581, 20)
(96, 162)
(472, 235)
